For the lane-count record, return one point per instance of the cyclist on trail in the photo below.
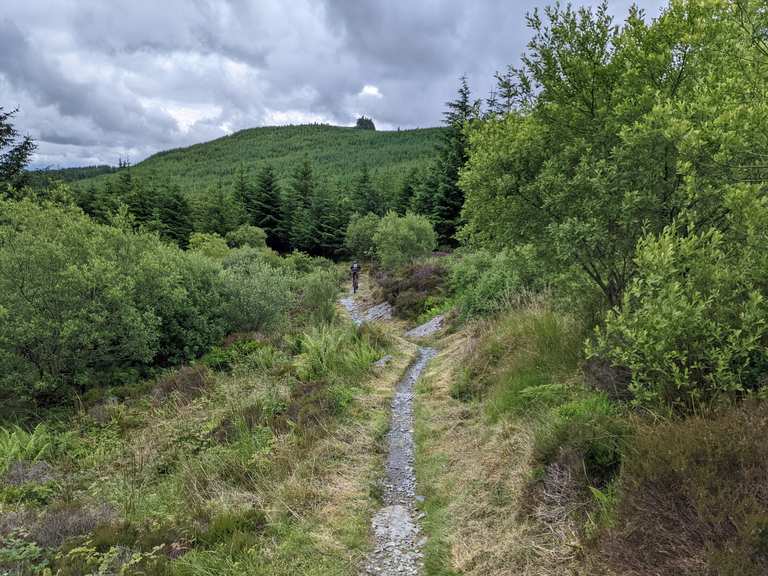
(355, 270)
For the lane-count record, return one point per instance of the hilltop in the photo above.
(336, 153)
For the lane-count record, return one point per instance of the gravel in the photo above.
(397, 540)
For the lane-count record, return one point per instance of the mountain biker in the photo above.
(355, 270)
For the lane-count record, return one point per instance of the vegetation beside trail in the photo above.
(184, 400)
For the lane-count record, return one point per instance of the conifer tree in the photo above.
(406, 192)
(218, 212)
(244, 194)
(267, 206)
(365, 198)
(453, 155)
(176, 215)
(299, 204)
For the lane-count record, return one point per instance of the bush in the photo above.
(360, 234)
(186, 383)
(692, 327)
(210, 245)
(692, 498)
(40, 443)
(319, 290)
(250, 236)
(258, 297)
(402, 239)
(483, 283)
(411, 288)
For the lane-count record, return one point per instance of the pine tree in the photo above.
(425, 192)
(218, 211)
(449, 197)
(299, 203)
(14, 154)
(140, 196)
(328, 225)
(365, 198)
(244, 194)
(267, 206)
(406, 192)
(176, 215)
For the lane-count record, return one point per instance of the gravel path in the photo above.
(397, 539)
(397, 544)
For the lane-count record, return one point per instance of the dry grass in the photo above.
(478, 472)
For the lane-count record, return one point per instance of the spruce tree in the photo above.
(267, 206)
(15, 154)
(244, 194)
(365, 198)
(449, 197)
(406, 192)
(218, 212)
(176, 215)
(299, 203)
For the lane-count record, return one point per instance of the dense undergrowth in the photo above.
(215, 471)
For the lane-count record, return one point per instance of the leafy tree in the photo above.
(364, 123)
(247, 235)
(210, 245)
(402, 239)
(359, 239)
(593, 160)
(15, 154)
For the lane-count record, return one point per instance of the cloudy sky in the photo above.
(97, 80)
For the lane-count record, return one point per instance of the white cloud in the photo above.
(371, 90)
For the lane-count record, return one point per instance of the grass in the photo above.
(474, 473)
(230, 478)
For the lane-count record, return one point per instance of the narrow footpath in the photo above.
(397, 539)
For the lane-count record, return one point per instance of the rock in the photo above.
(427, 329)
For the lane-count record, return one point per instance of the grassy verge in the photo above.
(267, 467)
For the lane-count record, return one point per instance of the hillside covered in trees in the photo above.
(182, 392)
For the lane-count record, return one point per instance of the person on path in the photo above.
(355, 270)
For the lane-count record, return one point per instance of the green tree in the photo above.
(15, 154)
(359, 239)
(267, 207)
(402, 239)
(175, 215)
(218, 212)
(449, 197)
(364, 123)
(298, 215)
(365, 197)
(247, 235)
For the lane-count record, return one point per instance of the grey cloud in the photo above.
(96, 81)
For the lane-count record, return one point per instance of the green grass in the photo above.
(337, 155)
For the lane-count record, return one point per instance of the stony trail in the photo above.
(397, 539)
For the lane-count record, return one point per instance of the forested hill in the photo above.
(337, 155)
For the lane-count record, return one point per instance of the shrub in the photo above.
(359, 239)
(692, 498)
(692, 327)
(482, 283)
(319, 290)
(410, 289)
(210, 245)
(250, 236)
(402, 239)
(258, 297)
(185, 383)
(590, 427)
